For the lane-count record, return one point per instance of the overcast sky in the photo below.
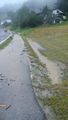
(2, 2)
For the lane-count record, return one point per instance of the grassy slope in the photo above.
(59, 101)
(55, 40)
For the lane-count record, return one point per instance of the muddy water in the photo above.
(15, 85)
(54, 71)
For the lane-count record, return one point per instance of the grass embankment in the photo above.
(6, 43)
(59, 101)
(55, 41)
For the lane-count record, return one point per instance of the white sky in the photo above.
(2, 2)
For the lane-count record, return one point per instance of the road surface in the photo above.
(4, 34)
(17, 100)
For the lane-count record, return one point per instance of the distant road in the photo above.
(3, 34)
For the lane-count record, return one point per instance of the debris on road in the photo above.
(5, 106)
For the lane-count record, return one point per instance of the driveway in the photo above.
(17, 100)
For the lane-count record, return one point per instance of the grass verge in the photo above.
(59, 101)
(6, 43)
(54, 39)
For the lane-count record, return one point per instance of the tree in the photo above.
(47, 15)
(63, 5)
(45, 10)
(27, 18)
(34, 19)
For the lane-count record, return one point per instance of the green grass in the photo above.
(6, 43)
(30, 50)
(53, 38)
(59, 101)
(60, 106)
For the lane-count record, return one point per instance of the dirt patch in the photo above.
(55, 69)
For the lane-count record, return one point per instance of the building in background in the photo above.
(58, 16)
(6, 22)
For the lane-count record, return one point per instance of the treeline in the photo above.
(63, 5)
(25, 17)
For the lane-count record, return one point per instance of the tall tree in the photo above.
(27, 18)
(45, 10)
(63, 5)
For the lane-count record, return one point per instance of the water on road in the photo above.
(17, 101)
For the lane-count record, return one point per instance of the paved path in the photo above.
(17, 101)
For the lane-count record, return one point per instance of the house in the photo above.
(58, 16)
(51, 17)
(6, 22)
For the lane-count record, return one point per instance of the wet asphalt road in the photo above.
(15, 85)
(3, 34)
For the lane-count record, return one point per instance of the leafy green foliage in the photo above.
(27, 18)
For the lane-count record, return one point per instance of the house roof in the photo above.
(57, 11)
